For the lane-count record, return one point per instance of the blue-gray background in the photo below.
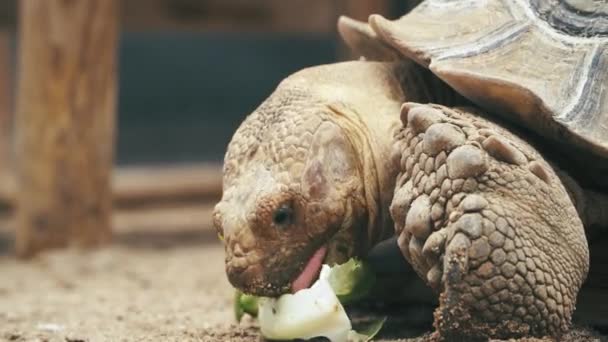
(182, 95)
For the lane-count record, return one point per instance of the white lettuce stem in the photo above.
(308, 313)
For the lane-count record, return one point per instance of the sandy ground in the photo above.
(143, 288)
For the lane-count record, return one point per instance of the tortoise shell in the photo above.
(540, 63)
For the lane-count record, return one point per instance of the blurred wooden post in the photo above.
(65, 116)
(6, 100)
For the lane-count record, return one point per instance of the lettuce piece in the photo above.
(316, 311)
(245, 304)
(352, 280)
(308, 313)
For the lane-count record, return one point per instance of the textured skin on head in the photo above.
(484, 219)
(320, 144)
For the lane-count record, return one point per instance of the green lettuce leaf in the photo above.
(245, 304)
(352, 280)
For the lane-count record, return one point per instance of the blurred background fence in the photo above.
(189, 71)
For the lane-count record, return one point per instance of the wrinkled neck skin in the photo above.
(370, 116)
(371, 134)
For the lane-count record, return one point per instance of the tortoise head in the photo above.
(299, 188)
(292, 190)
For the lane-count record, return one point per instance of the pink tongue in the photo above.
(310, 272)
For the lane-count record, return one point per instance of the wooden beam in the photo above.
(184, 225)
(147, 186)
(65, 122)
(195, 217)
(153, 187)
(6, 101)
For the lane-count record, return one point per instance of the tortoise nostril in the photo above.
(237, 251)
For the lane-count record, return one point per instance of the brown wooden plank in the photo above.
(167, 186)
(195, 217)
(6, 99)
(157, 227)
(149, 186)
(65, 117)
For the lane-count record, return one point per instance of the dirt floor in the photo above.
(146, 287)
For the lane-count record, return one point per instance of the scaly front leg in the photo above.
(484, 219)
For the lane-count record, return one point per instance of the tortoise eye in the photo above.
(283, 216)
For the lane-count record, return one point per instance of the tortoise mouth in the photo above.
(263, 279)
(273, 275)
(311, 271)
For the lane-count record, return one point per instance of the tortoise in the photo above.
(474, 132)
